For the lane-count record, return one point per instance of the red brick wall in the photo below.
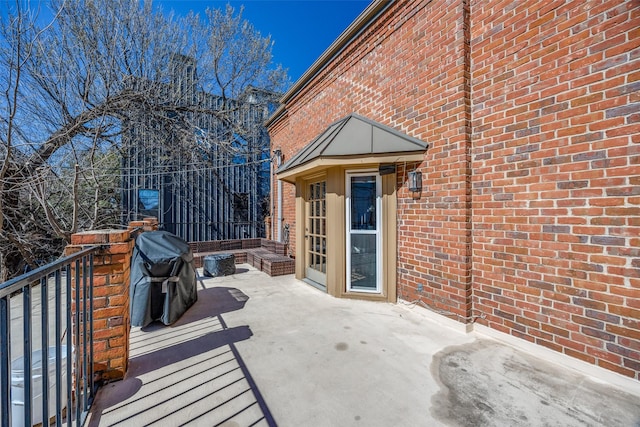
(556, 175)
(406, 71)
(529, 220)
(289, 146)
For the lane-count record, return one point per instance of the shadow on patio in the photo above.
(188, 373)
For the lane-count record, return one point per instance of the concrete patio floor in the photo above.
(260, 350)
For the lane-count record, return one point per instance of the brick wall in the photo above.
(406, 71)
(556, 175)
(289, 146)
(529, 220)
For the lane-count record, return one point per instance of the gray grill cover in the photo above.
(163, 278)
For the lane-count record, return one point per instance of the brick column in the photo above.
(111, 279)
(111, 325)
(146, 224)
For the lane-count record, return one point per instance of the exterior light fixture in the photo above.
(415, 181)
(277, 156)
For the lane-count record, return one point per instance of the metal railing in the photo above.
(41, 354)
(195, 231)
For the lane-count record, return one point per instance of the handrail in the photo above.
(74, 381)
(17, 283)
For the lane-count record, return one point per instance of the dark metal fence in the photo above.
(46, 343)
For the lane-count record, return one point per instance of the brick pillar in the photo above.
(111, 279)
(146, 224)
(111, 273)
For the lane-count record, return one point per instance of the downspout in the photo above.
(277, 156)
(279, 211)
(271, 202)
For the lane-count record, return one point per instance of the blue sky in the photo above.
(301, 29)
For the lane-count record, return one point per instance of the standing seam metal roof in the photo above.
(352, 136)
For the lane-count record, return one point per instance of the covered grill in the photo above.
(163, 278)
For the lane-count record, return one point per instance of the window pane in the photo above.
(363, 203)
(363, 261)
(148, 202)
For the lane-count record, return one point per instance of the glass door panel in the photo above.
(363, 234)
(363, 262)
(315, 233)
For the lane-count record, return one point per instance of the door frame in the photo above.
(336, 231)
(378, 232)
(317, 278)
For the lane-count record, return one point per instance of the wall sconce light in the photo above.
(277, 156)
(415, 181)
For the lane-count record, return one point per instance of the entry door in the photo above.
(316, 233)
(364, 235)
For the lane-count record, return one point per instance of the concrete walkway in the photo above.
(257, 350)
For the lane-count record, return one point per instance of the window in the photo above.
(148, 202)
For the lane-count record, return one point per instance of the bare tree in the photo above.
(73, 88)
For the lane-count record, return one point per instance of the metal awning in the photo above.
(353, 140)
